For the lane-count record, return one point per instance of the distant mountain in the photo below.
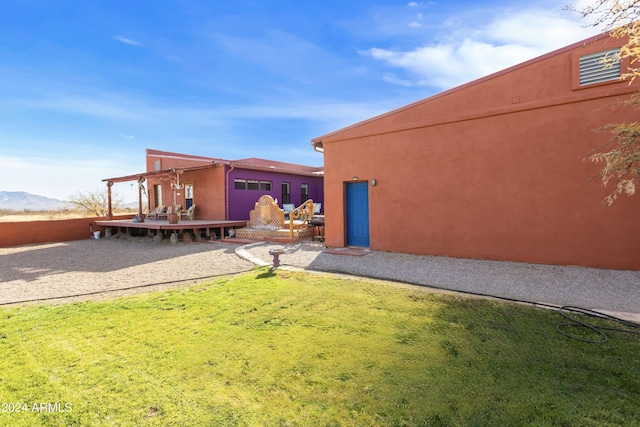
(20, 200)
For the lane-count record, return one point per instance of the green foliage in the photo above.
(622, 161)
(296, 349)
(621, 19)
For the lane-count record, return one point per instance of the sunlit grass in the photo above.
(309, 350)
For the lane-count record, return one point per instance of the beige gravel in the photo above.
(616, 292)
(108, 268)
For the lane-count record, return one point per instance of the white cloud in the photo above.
(393, 78)
(145, 118)
(468, 52)
(417, 23)
(128, 41)
(540, 29)
(91, 103)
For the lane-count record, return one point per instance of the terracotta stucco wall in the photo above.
(32, 232)
(208, 192)
(494, 171)
(169, 160)
(208, 189)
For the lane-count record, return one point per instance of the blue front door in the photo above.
(357, 214)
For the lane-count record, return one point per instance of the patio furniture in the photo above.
(153, 214)
(189, 213)
(288, 208)
(317, 207)
(317, 221)
(165, 214)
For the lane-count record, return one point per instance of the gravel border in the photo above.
(615, 292)
(108, 268)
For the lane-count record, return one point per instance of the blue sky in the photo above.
(87, 86)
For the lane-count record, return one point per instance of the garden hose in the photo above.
(567, 311)
(634, 328)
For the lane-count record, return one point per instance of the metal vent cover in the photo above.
(599, 67)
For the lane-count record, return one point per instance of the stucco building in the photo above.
(493, 169)
(224, 189)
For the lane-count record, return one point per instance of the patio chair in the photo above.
(165, 214)
(189, 213)
(287, 208)
(153, 214)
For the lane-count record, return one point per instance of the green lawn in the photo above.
(298, 349)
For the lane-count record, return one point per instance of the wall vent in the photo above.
(599, 67)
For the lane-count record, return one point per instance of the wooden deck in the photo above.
(210, 227)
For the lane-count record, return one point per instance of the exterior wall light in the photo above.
(374, 182)
(355, 178)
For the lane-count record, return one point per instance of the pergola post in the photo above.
(109, 209)
(140, 181)
(175, 186)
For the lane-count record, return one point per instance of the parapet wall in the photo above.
(31, 232)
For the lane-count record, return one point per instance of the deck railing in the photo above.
(303, 213)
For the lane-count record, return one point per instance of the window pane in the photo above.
(253, 185)
(240, 184)
(157, 189)
(304, 192)
(265, 185)
(286, 197)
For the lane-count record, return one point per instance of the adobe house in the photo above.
(492, 169)
(229, 189)
(223, 189)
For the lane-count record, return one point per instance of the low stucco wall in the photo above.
(31, 232)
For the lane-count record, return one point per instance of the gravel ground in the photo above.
(106, 268)
(615, 292)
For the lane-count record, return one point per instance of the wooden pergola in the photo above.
(172, 175)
